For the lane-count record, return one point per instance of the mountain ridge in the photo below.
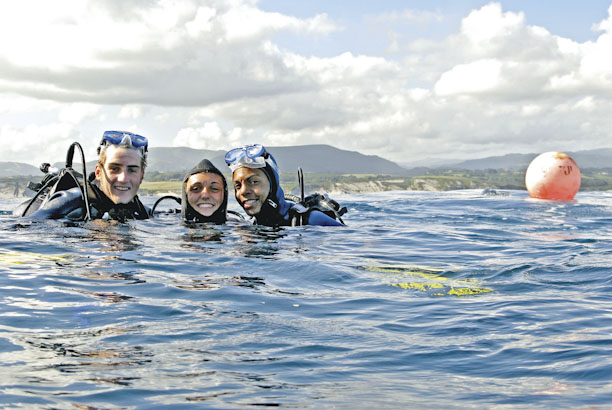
(595, 158)
(311, 158)
(319, 158)
(322, 158)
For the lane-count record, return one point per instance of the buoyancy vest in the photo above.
(316, 209)
(288, 210)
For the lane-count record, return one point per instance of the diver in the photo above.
(110, 191)
(203, 197)
(204, 194)
(256, 179)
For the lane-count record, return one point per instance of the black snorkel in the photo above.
(85, 192)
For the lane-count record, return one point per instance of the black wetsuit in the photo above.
(276, 211)
(69, 204)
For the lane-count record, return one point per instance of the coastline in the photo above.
(592, 180)
(365, 187)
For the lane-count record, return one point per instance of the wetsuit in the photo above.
(69, 204)
(190, 214)
(277, 211)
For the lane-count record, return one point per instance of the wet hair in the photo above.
(102, 157)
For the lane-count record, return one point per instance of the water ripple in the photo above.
(426, 300)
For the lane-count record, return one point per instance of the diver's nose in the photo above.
(243, 190)
(122, 176)
(205, 192)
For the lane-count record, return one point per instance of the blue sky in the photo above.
(567, 18)
(406, 80)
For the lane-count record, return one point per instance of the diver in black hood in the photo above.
(204, 194)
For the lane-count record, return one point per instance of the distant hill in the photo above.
(508, 161)
(327, 159)
(312, 158)
(178, 159)
(12, 169)
(598, 158)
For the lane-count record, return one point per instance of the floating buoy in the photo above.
(553, 175)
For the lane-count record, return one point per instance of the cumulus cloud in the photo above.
(501, 85)
(471, 78)
(131, 111)
(208, 136)
(28, 143)
(209, 74)
(75, 113)
(165, 52)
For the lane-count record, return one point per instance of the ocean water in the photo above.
(446, 300)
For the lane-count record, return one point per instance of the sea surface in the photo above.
(443, 300)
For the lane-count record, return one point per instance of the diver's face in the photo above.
(205, 192)
(121, 175)
(252, 188)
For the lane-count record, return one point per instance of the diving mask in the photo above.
(250, 156)
(124, 138)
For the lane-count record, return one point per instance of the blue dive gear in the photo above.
(124, 138)
(276, 210)
(250, 156)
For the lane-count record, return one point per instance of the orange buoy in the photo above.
(553, 175)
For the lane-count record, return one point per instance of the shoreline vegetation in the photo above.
(159, 183)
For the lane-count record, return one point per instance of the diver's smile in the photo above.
(205, 192)
(249, 203)
(121, 174)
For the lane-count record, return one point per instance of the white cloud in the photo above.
(162, 118)
(243, 21)
(131, 111)
(489, 22)
(606, 25)
(75, 113)
(13, 103)
(476, 77)
(36, 144)
(164, 52)
(531, 110)
(208, 74)
(209, 136)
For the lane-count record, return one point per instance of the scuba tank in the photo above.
(58, 180)
(316, 201)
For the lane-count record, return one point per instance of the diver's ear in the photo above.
(97, 171)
